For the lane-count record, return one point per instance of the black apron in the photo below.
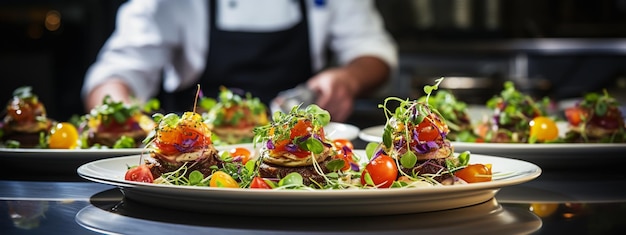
(260, 63)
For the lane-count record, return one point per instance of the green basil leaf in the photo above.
(370, 148)
(387, 140)
(312, 144)
(291, 179)
(335, 164)
(195, 178)
(464, 158)
(408, 159)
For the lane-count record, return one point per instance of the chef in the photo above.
(257, 46)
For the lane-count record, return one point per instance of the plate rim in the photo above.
(520, 178)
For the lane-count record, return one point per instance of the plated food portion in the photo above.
(517, 118)
(110, 125)
(26, 122)
(595, 119)
(293, 168)
(295, 153)
(232, 117)
(114, 124)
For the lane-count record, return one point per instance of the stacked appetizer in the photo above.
(233, 117)
(26, 123)
(415, 144)
(295, 143)
(595, 119)
(517, 118)
(115, 124)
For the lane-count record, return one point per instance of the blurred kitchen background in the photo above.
(556, 48)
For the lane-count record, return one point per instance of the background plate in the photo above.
(55, 162)
(336, 130)
(557, 155)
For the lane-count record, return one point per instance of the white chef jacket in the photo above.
(154, 36)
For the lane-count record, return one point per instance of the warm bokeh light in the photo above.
(53, 20)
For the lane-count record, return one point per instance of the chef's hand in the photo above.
(115, 88)
(335, 89)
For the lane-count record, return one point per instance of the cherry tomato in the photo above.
(63, 136)
(348, 159)
(575, 115)
(240, 152)
(222, 180)
(339, 143)
(139, 173)
(258, 182)
(383, 171)
(430, 129)
(543, 128)
(473, 173)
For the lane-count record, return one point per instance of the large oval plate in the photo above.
(311, 202)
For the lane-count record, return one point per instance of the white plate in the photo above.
(552, 155)
(372, 134)
(57, 161)
(545, 155)
(335, 130)
(311, 202)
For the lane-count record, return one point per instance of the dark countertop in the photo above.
(576, 201)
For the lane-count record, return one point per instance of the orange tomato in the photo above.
(339, 143)
(242, 153)
(302, 128)
(473, 173)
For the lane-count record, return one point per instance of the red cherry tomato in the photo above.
(258, 182)
(575, 115)
(383, 171)
(475, 173)
(139, 173)
(430, 128)
(240, 152)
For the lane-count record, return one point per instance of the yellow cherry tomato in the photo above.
(544, 129)
(222, 180)
(63, 136)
